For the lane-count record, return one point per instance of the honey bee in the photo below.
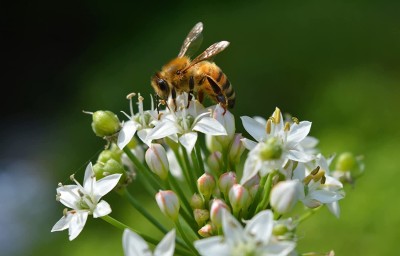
(200, 75)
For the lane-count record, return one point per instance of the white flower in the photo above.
(277, 144)
(185, 123)
(135, 245)
(141, 123)
(285, 195)
(255, 239)
(326, 190)
(84, 200)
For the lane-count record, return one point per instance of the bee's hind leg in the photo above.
(217, 90)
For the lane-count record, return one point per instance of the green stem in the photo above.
(185, 169)
(199, 159)
(257, 197)
(185, 238)
(267, 189)
(192, 176)
(307, 215)
(122, 226)
(144, 170)
(144, 212)
(178, 190)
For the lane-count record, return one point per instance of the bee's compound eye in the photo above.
(162, 84)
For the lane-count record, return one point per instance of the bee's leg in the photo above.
(200, 96)
(173, 95)
(157, 99)
(217, 90)
(191, 87)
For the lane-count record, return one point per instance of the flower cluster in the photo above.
(226, 193)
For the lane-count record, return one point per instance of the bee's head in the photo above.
(161, 86)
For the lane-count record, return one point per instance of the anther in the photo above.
(307, 179)
(287, 127)
(72, 177)
(323, 180)
(277, 116)
(65, 211)
(319, 175)
(81, 194)
(130, 95)
(60, 184)
(87, 112)
(295, 119)
(268, 126)
(315, 171)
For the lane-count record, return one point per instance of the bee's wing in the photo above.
(210, 52)
(192, 41)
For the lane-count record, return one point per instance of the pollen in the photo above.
(268, 126)
(130, 95)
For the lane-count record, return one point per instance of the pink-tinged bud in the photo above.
(206, 231)
(226, 181)
(216, 211)
(206, 185)
(239, 197)
(201, 216)
(285, 194)
(215, 162)
(168, 203)
(255, 180)
(237, 148)
(197, 202)
(225, 118)
(156, 159)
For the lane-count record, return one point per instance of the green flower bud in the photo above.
(346, 162)
(105, 123)
(215, 162)
(206, 231)
(156, 159)
(279, 230)
(196, 202)
(107, 154)
(201, 216)
(226, 181)
(271, 149)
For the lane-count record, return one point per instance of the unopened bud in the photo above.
(206, 231)
(237, 148)
(215, 162)
(213, 144)
(226, 181)
(107, 154)
(206, 185)
(201, 216)
(105, 123)
(280, 230)
(216, 211)
(285, 195)
(239, 197)
(156, 159)
(197, 202)
(168, 202)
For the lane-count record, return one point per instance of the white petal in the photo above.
(142, 134)
(167, 245)
(102, 209)
(77, 223)
(233, 230)
(163, 129)
(325, 196)
(254, 128)
(309, 142)
(63, 223)
(299, 131)
(299, 156)
(126, 133)
(134, 245)
(69, 195)
(334, 208)
(105, 185)
(251, 168)
(260, 226)
(209, 125)
(249, 144)
(281, 248)
(212, 246)
(188, 140)
(89, 178)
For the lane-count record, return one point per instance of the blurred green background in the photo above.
(335, 63)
